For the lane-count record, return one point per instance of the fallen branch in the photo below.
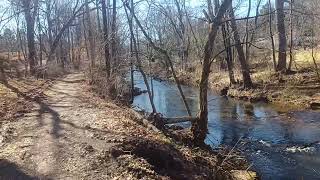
(178, 120)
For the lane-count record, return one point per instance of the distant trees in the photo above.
(167, 37)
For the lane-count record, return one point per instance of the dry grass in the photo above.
(304, 59)
(297, 90)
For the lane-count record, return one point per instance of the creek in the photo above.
(279, 145)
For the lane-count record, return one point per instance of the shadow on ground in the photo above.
(10, 171)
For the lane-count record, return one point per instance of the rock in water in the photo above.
(243, 175)
(315, 105)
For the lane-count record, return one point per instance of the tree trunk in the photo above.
(30, 20)
(227, 45)
(49, 22)
(113, 34)
(90, 36)
(106, 36)
(167, 59)
(247, 33)
(242, 59)
(282, 57)
(98, 16)
(271, 37)
(40, 39)
(291, 36)
(199, 126)
(145, 79)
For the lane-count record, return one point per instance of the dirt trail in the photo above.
(62, 138)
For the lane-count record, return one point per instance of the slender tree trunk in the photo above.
(291, 36)
(145, 79)
(72, 46)
(21, 46)
(247, 33)
(30, 21)
(272, 38)
(182, 29)
(166, 57)
(49, 22)
(106, 36)
(131, 64)
(86, 39)
(312, 52)
(90, 36)
(242, 59)
(227, 45)
(282, 57)
(199, 127)
(98, 16)
(113, 34)
(40, 39)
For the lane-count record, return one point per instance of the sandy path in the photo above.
(62, 138)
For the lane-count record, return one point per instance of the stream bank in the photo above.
(298, 90)
(279, 144)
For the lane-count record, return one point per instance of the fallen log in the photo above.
(140, 118)
(178, 120)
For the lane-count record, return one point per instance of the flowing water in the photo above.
(279, 145)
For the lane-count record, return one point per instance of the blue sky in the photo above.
(242, 11)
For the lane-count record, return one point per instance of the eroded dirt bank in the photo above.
(69, 133)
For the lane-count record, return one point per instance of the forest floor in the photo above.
(60, 130)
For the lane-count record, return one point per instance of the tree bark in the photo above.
(242, 59)
(40, 39)
(167, 58)
(30, 22)
(199, 126)
(247, 33)
(291, 36)
(145, 79)
(90, 36)
(106, 37)
(113, 34)
(271, 37)
(282, 56)
(227, 44)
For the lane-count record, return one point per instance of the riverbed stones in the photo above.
(315, 105)
(243, 175)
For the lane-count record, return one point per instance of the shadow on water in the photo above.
(280, 145)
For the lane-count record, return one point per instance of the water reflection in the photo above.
(230, 120)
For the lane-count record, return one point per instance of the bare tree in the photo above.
(30, 11)
(167, 58)
(139, 64)
(242, 59)
(271, 36)
(199, 127)
(282, 57)
(106, 36)
(114, 33)
(90, 35)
